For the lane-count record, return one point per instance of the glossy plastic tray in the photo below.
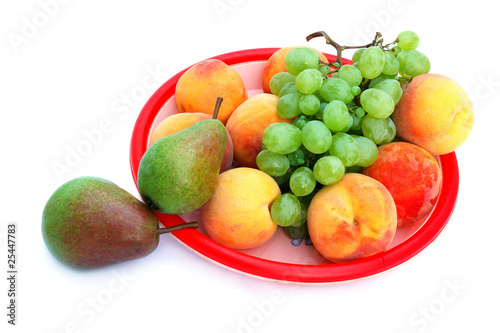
(280, 259)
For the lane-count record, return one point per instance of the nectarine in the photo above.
(352, 218)
(412, 176)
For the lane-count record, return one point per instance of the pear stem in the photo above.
(177, 227)
(217, 107)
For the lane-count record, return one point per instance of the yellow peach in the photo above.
(238, 214)
(276, 64)
(434, 113)
(247, 124)
(198, 88)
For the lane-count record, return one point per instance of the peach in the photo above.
(434, 113)
(247, 124)
(352, 218)
(412, 176)
(276, 64)
(198, 88)
(179, 121)
(238, 214)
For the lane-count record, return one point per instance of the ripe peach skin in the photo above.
(276, 64)
(179, 121)
(237, 215)
(412, 176)
(198, 88)
(434, 113)
(247, 124)
(352, 219)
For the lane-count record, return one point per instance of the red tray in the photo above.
(278, 259)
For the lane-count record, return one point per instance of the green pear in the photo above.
(90, 222)
(179, 172)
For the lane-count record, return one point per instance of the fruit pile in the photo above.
(340, 152)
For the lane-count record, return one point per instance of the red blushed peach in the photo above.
(238, 215)
(198, 88)
(247, 124)
(352, 218)
(412, 176)
(180, 121)
(434, 113)
(276, 64)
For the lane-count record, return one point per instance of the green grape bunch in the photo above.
(341, 113)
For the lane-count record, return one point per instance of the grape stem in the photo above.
(378, 40)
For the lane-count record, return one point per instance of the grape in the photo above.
(357, 55)
(296, 232)
(391, 66)
(413, 63)
(321, 110)
(300, 122)
(392, 87)
(328, 170)
(302, 219)
(391, 131)
(355, 90)
(296, 157)
(289, 88)
(356, 125)
(345, 148)
(334, 88)
(288, 105)
(316, 137)
(377, 103)
(408, 40)
(325, 69)
(351, 75)
(360, 112)
(379, 130)
(283, 179)
(336, 115)
(285, 209)
(273, 164)
(309, 81)
(279, 80)
(309, 104)
(302, 181)
(368, 151)
(379, 79)
(281, 138)
(347, 127)
(372, 62)
(394, 50)
(300, 58)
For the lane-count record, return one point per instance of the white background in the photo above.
(83, 58)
